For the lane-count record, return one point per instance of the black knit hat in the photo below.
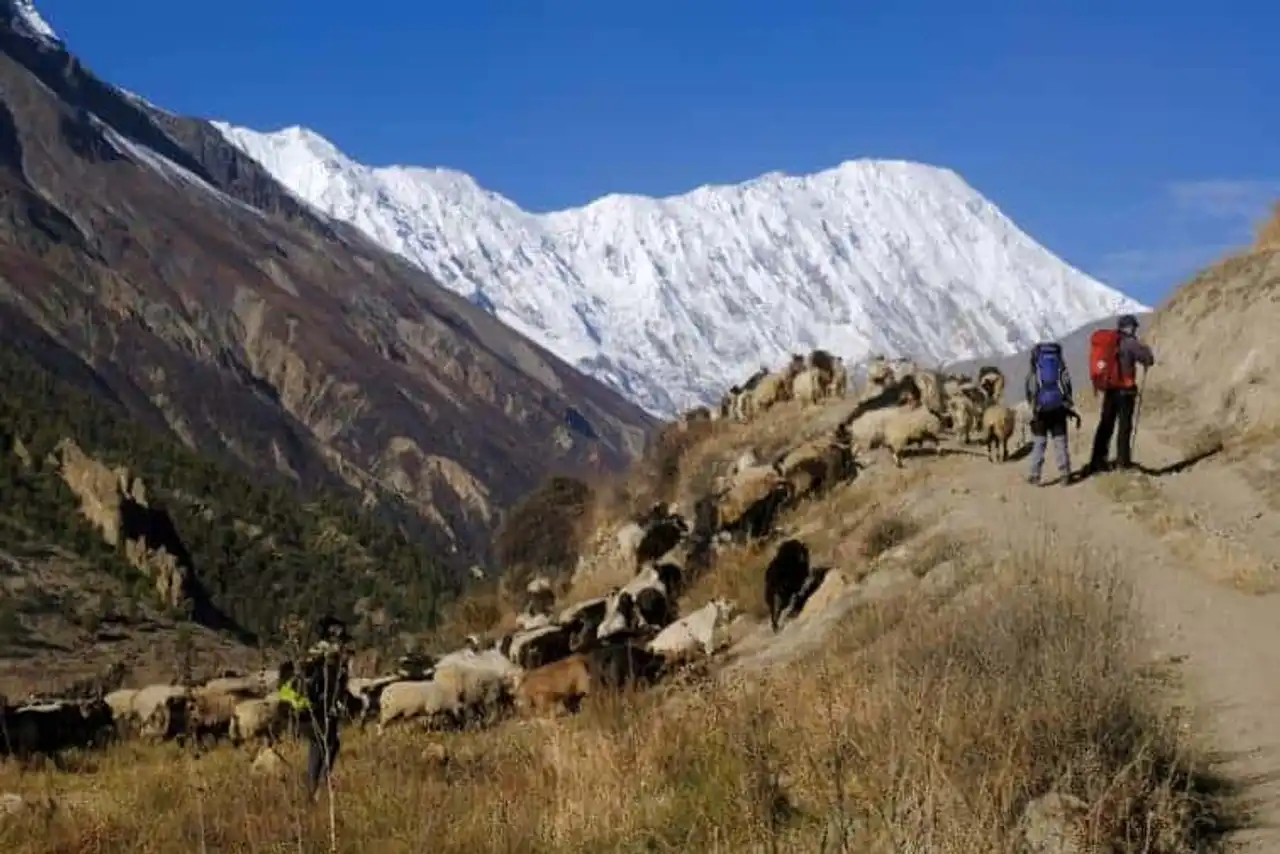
(1127, 321)
(330, 628)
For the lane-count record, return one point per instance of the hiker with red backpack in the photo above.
(1114, 356)
(1049, 394)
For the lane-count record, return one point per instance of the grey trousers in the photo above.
(1046, 426)
(322, 752)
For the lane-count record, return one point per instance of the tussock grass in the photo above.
(921, 726)
(886, 533)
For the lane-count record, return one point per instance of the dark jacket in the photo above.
(321, 678)
(1133, 353)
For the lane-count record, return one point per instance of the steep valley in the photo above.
(215, 305)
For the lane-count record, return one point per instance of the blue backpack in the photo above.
(1046, 362)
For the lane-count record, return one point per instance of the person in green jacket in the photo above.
(316, 689)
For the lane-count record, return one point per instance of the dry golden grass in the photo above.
(886, 532)
(922, 726)
(1220, 558)
(487, 608)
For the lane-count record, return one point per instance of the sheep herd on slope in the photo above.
(633, 635)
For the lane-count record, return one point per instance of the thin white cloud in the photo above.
(1225, 199)
(1191, 225)
(1159, 265)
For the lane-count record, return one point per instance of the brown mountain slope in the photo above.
(209, 299)
(1216, 349)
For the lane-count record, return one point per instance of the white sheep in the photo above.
(749, 489)
(930, 385)
(478, 679)
(1023, 412)
(698, 630)
(259, 683)
(913, 426)
(121, 703)
(367, 690)
(807, 387)
(839, 380)
(147, 700)
(649, 592)
(867, 430)
(998, 423)
(772, 390)
(265, 718)
(895, 427)
(965, 416)
(527, 622)
(409, 700)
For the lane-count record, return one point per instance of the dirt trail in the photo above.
(1230, 639)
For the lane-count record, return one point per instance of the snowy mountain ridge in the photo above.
(24, 17)
(671, 300)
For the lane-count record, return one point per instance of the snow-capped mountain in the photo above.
(23, 16)
(672, 300)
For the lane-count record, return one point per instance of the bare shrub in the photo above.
(657, 476)
(542, 532)
(885, 533)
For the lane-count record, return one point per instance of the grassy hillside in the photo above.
(932, 705)
(259, 550)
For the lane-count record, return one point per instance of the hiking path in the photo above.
(1224, 639)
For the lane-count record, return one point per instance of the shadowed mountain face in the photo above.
(200, 294)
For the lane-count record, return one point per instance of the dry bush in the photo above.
(542, 532)
(656, 476)
(936, 549)
(738, 575)
(487, 608)
(1268, 232)
(887, 532)
(921, 727)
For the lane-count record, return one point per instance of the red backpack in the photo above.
(1104, 359)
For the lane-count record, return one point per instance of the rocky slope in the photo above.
(672, 300)
(118, 544)
(213, 303)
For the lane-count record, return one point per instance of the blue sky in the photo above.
(1138, 146)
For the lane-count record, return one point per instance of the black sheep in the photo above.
(785, 579)
(660, 537)
(617, 665)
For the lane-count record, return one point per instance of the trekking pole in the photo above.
(1137, 411)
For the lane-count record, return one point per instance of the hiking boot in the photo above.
(1033, 480)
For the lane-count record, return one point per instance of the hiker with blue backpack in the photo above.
(1049, 394)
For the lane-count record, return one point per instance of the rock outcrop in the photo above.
(116, 504)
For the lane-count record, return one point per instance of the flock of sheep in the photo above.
(633, 635)
(911, 404)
